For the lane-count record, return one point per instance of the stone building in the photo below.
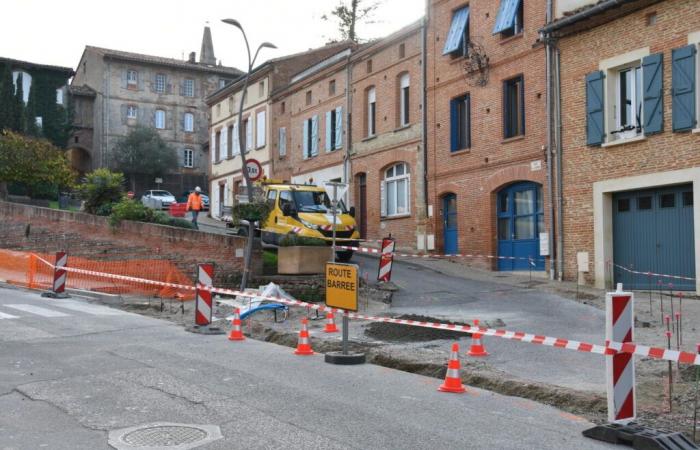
(268, 78)
(630, 106)
(44, 92)
(486, 133)
(116, 90)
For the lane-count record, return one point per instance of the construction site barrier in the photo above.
(653, 274)
(436, 255)
(610, 348)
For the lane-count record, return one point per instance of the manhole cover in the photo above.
(165, 436)
(170, 436)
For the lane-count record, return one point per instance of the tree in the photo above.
(7, 100)
(349, 15)
(101, 189)
(143, 152)
(31, 162)
(31, 128)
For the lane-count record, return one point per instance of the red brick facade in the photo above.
(655, 29)
(492, 162)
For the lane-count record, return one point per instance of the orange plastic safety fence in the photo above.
(29, 269)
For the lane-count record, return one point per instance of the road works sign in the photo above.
(342, 282)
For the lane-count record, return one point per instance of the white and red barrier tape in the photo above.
(653, 274)
(434, 255)
(611, 348)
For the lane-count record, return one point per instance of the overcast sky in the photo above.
(55, 32)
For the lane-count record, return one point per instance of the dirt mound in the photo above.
(394, 332)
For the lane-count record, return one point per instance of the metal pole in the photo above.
(334, 203)
(346, 332)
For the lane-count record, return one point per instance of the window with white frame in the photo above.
(188, 158)
(396, 191)
(627, 103)
(260, 129)
(188, 88)
(222, 82)
(132, 77)
(160, 119)
(160, 83)
(371, 111)
(404, 86)
(132, 112)
(189, 122)
(59, 96)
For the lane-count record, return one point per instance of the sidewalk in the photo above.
(210, 225)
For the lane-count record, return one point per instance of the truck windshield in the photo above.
(315, 202)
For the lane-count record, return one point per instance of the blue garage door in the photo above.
(520, 220)
(653, 232)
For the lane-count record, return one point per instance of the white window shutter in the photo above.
(224, 143)
(260, 124)
(314, 135)
(339, 127)
(382, 197)
(249, 134)
(236, 140)
(283, 141)
(328, 131)
(305, 138)
(212, 146)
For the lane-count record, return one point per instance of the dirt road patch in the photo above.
(393, 332)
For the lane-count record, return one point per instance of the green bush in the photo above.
(100, 189)
(257, 211)
(292, 240)
(135, 211)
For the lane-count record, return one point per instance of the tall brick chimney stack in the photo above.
(206, 55)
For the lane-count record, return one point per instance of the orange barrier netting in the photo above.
(28, 269)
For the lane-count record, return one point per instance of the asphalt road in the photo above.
(428, 292)
(71, 371)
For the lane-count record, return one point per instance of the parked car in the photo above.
(205, 198)
(165, 198)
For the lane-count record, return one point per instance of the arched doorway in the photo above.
(79, 159)
(520, 219)
(449, 224)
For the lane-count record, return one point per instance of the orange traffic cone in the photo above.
(477, 349)
(236, 333)
(304, 345)
(330, 323)
(453, 382)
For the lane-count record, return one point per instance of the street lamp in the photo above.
(242, 144)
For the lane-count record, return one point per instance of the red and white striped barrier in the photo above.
(435, 255)
(58, 287)
(611, 348)
(386, 260)
(203, 302)
(619, 327)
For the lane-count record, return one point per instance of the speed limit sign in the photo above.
(254, 169)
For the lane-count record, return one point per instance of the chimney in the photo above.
(193, 58)
(206, 55)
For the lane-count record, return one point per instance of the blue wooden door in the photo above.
(449, 224)
(653, 232)
(520, 218)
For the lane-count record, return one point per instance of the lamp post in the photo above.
(243, 147)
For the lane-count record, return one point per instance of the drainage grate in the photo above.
(164, 436)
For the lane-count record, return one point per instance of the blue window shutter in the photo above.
(305, 143)
(314, 135)
(653, 79)
(454, 37)
(506, 15)
(595, 108)
(328, 131)
(454, 125)
(339, 127)
(683, 88)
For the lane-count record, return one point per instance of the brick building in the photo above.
(386, 138)
(486, 133)
(226, 177)
(117, 90)
(630, 138)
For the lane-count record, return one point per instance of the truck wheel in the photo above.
(344, 256)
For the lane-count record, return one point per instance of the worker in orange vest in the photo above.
(194, 204)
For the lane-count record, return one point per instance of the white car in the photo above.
(166, 199)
